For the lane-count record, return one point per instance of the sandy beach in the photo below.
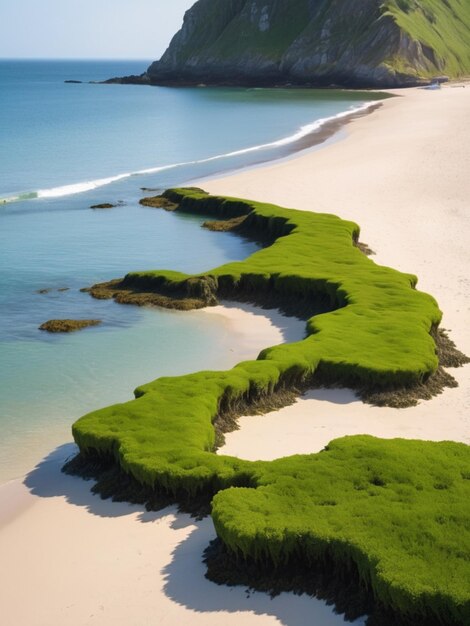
(69, 558)
(402, 175)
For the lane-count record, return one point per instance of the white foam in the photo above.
(10, 199)
(303, 131)
(19, 197)
(67, 190)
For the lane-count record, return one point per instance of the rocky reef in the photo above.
(67, 326)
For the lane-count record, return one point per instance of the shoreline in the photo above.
(255, 182)
(114, 563)
(419, 225)
(286, 146)
(305, 188)
(249, 329)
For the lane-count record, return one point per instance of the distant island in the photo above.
(359, 43)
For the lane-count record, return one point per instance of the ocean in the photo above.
(65, 147)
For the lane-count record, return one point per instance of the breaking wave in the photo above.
(75, 188)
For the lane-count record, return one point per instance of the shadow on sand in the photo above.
(332, 395)
(184, 580)
(47, 480)
(186, 585)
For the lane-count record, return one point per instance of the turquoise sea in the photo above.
(64, 147)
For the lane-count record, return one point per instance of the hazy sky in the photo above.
(124, 29)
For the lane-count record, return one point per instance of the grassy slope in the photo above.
(443, 26)
(230, 34)
(243, 35)
(213, 18)
(398, 510)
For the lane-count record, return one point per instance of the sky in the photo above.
(81, 29)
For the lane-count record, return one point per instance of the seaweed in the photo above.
(396, 510)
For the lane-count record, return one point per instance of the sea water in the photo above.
(65, 147)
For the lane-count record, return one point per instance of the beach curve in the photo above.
(454, 400)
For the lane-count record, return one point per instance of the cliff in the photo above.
(367, 43)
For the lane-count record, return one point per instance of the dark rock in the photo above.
(49, 289)
(108, 205)
(142, 79)
(73, 82)
(159, 202)
(104, 205)
(67, 326)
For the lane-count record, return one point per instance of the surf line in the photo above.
(75, 188)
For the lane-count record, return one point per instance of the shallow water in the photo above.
(59, 139)
(49, 380)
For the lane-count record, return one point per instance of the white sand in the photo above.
(70, 559)
(252, 329)
(402, 173)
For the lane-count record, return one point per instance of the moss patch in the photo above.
(392, 514)
(396, 511)
(67, 326)
(159, 202)
(373, 334)
(126, 294)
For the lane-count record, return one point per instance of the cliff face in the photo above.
(380, 43)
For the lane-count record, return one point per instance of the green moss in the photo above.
(378, 337)
(67, 326)
(363, 500)
(396, 512)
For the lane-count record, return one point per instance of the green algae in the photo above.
(394, 514)
(67, 326)
(397, 510)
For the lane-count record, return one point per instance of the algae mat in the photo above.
(394, 510)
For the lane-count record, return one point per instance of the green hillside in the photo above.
(358, 42)
(442, 27)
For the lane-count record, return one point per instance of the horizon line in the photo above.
(38, 58)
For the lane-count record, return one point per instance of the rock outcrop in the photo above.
(356, 43)
(67, 326)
